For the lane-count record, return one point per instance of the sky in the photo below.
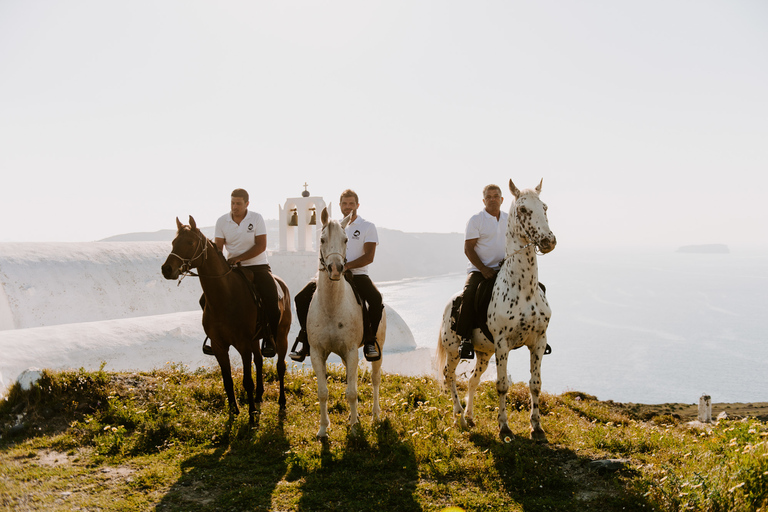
(647, 121)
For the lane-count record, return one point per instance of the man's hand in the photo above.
(488, 272)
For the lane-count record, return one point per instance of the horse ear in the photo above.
(538, 189)
(192, 223)
(178, 224)
(345, 221)
(514, 189)
(324, 216)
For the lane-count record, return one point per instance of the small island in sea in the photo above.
(705, 249)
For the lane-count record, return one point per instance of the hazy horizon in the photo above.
(646, 120)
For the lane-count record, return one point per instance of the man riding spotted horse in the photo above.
(485, 243)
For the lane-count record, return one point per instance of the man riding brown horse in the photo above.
(244, 234)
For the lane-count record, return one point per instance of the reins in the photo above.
(186, 264)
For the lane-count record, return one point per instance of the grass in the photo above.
(163, 440)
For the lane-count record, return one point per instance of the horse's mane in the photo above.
(186, 227)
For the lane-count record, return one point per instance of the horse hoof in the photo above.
(539, 436)
(322, 438)
(356, 430)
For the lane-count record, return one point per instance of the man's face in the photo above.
(239, 206)
(348, 205)
(493, 200)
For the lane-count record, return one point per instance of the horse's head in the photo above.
(333, 246)
(188, 250)
(529, 214)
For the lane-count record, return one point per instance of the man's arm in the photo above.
(369, 251)
(219, 243)
(260, 245)
(469, 250)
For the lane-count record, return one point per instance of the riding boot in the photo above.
(371, 349)
(297, 354)
(268, 347)
(467, 349)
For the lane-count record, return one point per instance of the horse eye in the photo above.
(322, 240)
(523, 209)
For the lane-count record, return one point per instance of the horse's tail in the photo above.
(441, 355)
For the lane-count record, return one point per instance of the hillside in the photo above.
(161, 440)
(399, 255)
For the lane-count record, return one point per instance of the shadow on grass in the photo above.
(361, 475)
(240, 473)
(546, 477)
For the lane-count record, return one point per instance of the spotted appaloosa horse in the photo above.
(335, 324)
(230, 317)
(518, 314)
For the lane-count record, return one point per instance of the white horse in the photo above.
(335, 324)
(517, 315)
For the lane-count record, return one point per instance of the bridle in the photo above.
(535, 241)
(186, 263)
(324, 266)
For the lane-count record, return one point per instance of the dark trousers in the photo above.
(365, 288)
(466, 321)
(266, 287)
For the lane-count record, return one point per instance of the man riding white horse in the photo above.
(361, 250)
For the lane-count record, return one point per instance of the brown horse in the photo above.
(230, 316)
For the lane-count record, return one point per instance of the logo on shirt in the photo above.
(250, 227)
(356, 234)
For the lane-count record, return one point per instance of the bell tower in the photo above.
(299, 230)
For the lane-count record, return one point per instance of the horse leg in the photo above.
(537, 433)
(226, 375)
(502, 386)
(248, 384)
(381, 336)
(376, 384)
(450, 345)
(351, 363)
(480, 366)
(281, 377)
(318, 365)
(259, 363)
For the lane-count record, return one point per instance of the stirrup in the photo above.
(297, 355)
(374, 346)
(466, 350)
(267, 349)
(207, 349)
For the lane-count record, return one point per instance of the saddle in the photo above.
(247, 276)
(480, 310)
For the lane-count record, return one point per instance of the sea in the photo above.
(642, 326)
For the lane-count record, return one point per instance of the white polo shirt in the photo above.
(359, 232)
(240, 238)
(491, 235)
